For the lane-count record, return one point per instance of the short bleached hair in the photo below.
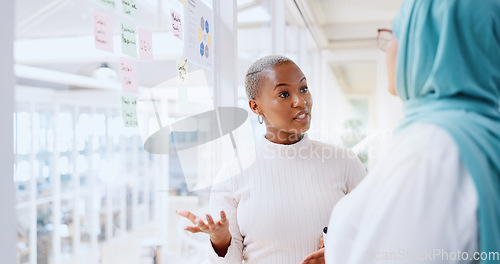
(256, 71)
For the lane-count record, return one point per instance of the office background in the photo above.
(86, 191)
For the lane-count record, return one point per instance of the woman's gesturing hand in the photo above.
(315, 257)
(217, 231)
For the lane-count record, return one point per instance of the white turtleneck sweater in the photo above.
(277, 207)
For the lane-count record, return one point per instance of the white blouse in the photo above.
(419, 205)
(277, 208)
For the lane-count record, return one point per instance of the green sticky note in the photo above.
(129, 109)
(129, 7)
(182, 69)
(182, 98)
(107, 3)
(129, 38)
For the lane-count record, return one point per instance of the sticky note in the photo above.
(182, 98)
(176, 24)
(199, 34)
(145, 45)
(182, 69)
(129, 109)
(128, 70)
(184, 2)
(129, 7)
(103, 31)
(107, 3)
(129, 38)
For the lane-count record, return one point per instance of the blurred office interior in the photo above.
(86, 190)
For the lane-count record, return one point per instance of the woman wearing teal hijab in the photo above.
(436, 197)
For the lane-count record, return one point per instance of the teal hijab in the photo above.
(448, 74)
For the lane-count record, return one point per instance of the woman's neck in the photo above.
(284, 138)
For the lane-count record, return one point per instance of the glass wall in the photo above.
(74, 160)
(254, 41)
(87, 190)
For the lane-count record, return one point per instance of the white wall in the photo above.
(332, 108)
(330, 105)
(7, 221)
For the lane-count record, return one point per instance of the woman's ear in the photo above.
(254, 106)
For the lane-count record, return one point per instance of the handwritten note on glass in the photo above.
(103, 31)
(129, 7)
(128, 70)
(129, 39)
(129, 109)
(176, 24)
(145, 45)
(107, 3)
(182, 69)
(198, 21)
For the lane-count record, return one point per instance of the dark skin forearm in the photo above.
(221, 245)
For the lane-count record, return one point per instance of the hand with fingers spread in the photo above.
(217, 231)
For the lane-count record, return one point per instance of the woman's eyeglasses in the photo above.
(383, 38)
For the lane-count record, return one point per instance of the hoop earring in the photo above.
(260, 119)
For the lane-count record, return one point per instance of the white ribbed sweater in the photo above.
(278, 206)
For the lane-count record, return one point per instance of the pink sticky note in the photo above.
(176, 23)
(145, 45)
(103, 31)
(128, 69)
